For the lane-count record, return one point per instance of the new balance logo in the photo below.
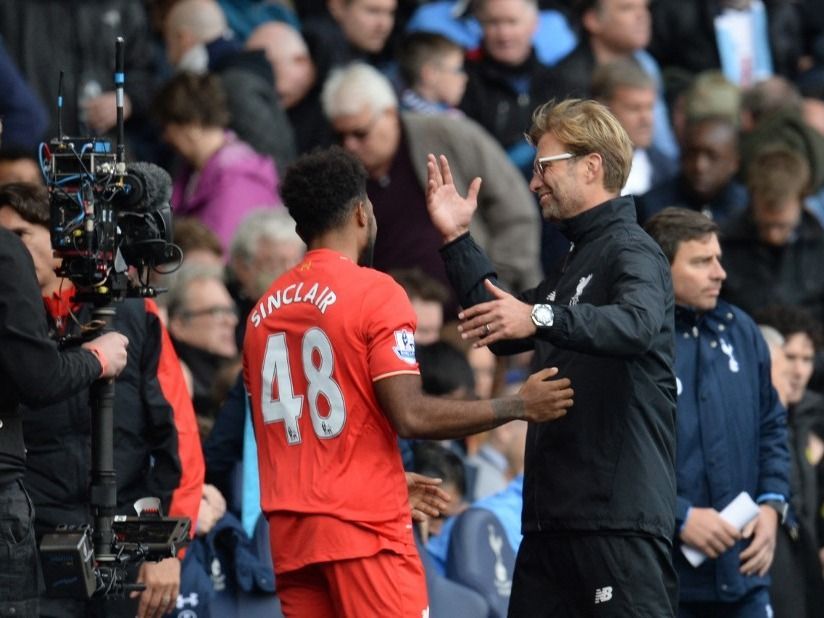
(602, 595)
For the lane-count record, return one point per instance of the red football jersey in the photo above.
(315, 343)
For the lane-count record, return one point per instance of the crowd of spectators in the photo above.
(723, 101)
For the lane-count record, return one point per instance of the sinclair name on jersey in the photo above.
(293, 293)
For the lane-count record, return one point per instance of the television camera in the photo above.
(107, 217)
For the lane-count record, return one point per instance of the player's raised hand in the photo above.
(449, 210)
(546, 399)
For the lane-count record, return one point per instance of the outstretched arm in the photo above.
(416, 415)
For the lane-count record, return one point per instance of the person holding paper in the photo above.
(731, 435)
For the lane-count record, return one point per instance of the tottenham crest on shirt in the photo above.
(405, 346)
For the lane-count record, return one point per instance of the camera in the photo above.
(107, 216)
(111, 225)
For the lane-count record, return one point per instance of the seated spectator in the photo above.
(428, 298)
(506, 79)
(613, 29)
(779, 365)
(224, 178)
(264, 247)
(198, 40)
(351, 31)
(393, 145)
(707, 95)
(296, 81)
(629, 93)
(772, 113)
(437, 461)
(202, 321)
(773, 250)
(198, 245)
(553, 39)
(706, 183)
(432, 70)
(798, 587)
(19, 165)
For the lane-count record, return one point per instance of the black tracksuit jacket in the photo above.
(32, 369)
(609, 464)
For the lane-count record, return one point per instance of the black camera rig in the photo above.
(107, 217)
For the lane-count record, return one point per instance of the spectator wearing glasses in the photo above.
(599, 486)
(392, 145)
(202, 322)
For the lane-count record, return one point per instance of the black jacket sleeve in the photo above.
(467, 266)
(32, 367)
(640, 293)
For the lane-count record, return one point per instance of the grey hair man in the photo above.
(392, 145)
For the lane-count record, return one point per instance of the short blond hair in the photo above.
(585, 126)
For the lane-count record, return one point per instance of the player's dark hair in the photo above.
(320, 190)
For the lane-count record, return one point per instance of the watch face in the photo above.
(542, 315)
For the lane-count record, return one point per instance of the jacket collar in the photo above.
(687, 318)
(596, 221)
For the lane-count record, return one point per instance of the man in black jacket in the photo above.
(599, 485)
(34, 371)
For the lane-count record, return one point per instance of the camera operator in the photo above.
(58, 436)
(34, 371)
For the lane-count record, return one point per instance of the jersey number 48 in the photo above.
(288, 407)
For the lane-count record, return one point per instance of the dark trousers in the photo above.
(599, 575)
(755, 605)
(20, 578)
(797, 588)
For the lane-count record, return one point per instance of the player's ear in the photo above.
(361, 214)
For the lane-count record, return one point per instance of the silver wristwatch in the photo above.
(542, 315)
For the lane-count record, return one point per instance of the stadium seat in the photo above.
(481, 559)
